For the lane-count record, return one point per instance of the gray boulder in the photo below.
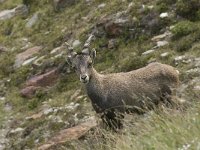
(32, 21)
(10, 13)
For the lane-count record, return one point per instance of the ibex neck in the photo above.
(95, 76)
(95, 90)
(95, 80)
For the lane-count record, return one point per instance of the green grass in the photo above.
(164, 129)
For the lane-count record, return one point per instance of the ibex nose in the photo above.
(83, 77)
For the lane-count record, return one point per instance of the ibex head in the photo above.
(82, 62)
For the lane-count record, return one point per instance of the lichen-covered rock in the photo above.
(32, 21)
(21, 57)
(162, 43)
(114, 25)
(70, 134)
(19, 10)
(29, 91)
(148, 52)
(43, 80)
(164, 55)
(3, 49)
(165, 35)
(164, 15)
(76, 43)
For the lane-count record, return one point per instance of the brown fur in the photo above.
(131, 87)
(135, 90)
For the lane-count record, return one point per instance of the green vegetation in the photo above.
(186, 33)
(188, 9)
(163, 130)
(184, 28)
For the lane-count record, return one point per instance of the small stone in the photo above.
(197, 62)
(43, 80)
(76, 43)
(26, 45)
(36, 141)
(58, 55)
(29, 61)
(187, 61)
(2, 98)
(130, 4)
(80, 97)
(7, 14)
(197, 88)
(56, 50)
(161, 36)
(57, 119)
(56, 110)
(179, 58)
(164, 15)
(35, 116)
(148, 52)
(48, 111)
(112, 43)
(194, 70)
(69, 134)
(180, 100)
(75, 95)
(38, 62)
(163, 55)
(76, 118)
(8, 107)
(17, 130)
(101, 5)
(162, 43)
(29, 91)
(150, 7)
(21, 57)
(3, 49)
(46, 33)
(121, 21)
(32, 21)
(114, 25)
(72, 106)
(10, 13)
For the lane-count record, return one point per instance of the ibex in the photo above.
(118, 92)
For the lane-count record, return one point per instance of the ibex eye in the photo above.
(90, 64)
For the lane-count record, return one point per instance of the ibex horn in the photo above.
(88, 41)
(69, 47)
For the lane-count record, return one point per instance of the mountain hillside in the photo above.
(43, 105)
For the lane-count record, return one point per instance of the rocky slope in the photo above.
(42, 103)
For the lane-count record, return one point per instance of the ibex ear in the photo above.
(70, 58)
(93, 53)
